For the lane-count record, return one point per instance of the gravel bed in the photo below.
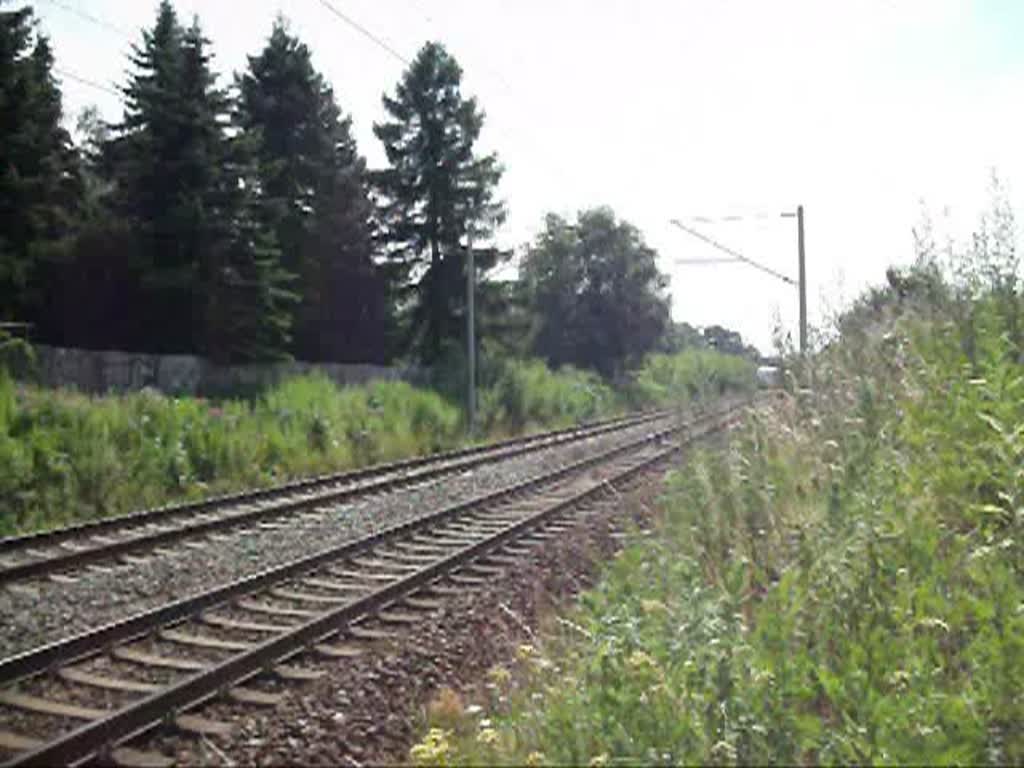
(43, 611)
(370, 710)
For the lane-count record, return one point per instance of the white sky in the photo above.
(859, 110)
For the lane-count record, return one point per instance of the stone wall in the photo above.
(105, 371)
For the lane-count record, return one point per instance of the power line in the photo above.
(365, 32)
(87, 81)
(92, 19)
(735, 254)
(377, 40)
(763, 216)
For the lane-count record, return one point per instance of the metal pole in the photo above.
(471, 332)
(803, 279)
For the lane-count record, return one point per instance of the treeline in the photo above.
(241, 223)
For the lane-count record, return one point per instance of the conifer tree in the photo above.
(39, 181)
(190, 197)
(436, 189)
(313, 180)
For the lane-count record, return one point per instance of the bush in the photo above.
(842, 584)
(694, 374)
(66, 457)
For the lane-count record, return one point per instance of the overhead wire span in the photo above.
(380, 43)
(735, 254)
(86, 81)
(100, 22)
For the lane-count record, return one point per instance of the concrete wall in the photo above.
(104, 371)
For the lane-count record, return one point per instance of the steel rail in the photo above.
(157, 514)
(86, 643)
(76, 558)
(139, 717)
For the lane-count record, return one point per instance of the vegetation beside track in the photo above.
(841, 584)
(67, 457)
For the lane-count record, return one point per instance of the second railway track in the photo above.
(91, 694)
(62, 551)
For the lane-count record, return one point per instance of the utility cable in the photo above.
(86, 81)
(365, 32)
(735, 254)
(91, 18)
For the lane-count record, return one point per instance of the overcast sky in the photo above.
(858, 110)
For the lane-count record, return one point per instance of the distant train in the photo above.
(769, 376)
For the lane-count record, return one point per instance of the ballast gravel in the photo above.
(370, 710)
(43, 611)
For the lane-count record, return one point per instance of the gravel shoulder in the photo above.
(45, 611)
(371, 710)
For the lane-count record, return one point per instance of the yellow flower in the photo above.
(433, 750)
(525, 651)
(639, 660)
(499, 675)
(535, 759)
(487, 736)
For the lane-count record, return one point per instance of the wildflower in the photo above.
(640, 659)
(598, 761)
(487, 736)
(499, 675)
(433, 749)
(535, 758)
(525, 651)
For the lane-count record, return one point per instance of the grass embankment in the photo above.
(843, 584)
(66, 457)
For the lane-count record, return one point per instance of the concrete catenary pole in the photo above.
(470, 333)
(803, 278)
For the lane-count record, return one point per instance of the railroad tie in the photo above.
(16, 742)
(153, 660)
(297, 674)
(243, 626)
(398, 617)
(255, 697)
(47, 707)
(423, 603)
(467, 581)
(204, 641)
(375, 562)
(339, 650)
(82, 677)
(274, 610)
(309, 597)
(126, 757)
(331, 586)
(486, 570)
(203, 726)
(358, 576)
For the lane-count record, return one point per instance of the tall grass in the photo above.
(693, 374)
(66, 457)
(843, 584)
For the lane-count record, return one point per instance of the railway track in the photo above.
(89, 696)
(61, 552)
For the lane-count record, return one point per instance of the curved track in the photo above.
(89, 695)
(64, 550)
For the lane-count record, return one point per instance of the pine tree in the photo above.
(39, 181)
(434, 191)
(187, 190)
(313, 180)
